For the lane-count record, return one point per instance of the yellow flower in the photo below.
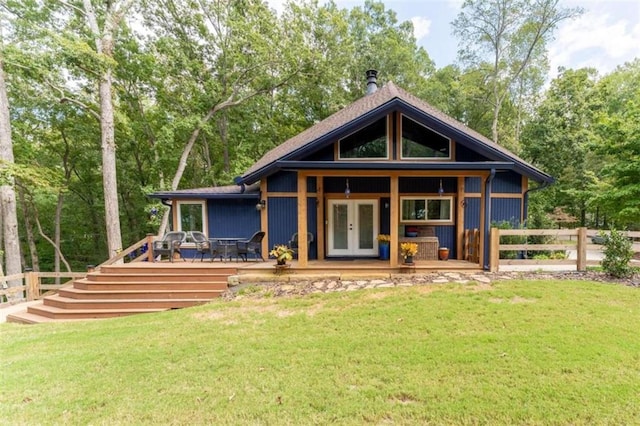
(408, 249)
(384, 238)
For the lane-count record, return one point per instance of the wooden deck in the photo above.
(142, 287)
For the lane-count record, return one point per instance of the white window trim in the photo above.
(203, 206)
(386, 132)
(426, 199)
(402, 157)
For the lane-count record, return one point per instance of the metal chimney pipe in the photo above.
(372, 81)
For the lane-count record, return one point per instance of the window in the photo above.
(426, 209)
(421, 142)
(191, 216)
(367, 143)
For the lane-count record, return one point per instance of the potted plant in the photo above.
(408, 250)
(384, 241)
(282, 253)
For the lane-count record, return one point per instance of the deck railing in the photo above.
(34, 284)
(559, 240)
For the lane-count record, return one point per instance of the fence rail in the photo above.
(562, 240)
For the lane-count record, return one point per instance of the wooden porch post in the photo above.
(460, 219)
(494, 265)
(264, 218)
(393, 220)
(320, 228)
(303, 246)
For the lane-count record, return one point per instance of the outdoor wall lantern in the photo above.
(441, 189)
(262, 204)
(347, 191)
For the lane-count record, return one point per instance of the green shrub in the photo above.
(617, 254)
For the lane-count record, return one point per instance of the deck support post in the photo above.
(581, 262)
(303, 246)
(394, 219)
(264, 218)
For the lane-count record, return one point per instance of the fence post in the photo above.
(32, 282)
(581, 262)
(150, 255)
(494, 250)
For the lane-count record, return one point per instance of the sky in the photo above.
(605, 36)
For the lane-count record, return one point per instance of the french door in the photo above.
(352, 227)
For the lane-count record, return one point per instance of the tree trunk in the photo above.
(109, 176)
(28, 227)
(8, 208)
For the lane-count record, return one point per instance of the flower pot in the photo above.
(281, 261)
(443, 253)
(384, 250)
(408, 260)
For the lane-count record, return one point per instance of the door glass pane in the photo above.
(191, 218)
(365, 226)
(340, 227)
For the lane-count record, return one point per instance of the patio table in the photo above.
(228, 246)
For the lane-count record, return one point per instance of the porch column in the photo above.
(303, 246)
(484, 235)
(394, 215)
(264, 219)
(460, 219)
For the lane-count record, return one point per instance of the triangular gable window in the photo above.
(421, 142)
(367, 143)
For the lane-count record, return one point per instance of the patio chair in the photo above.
(169, 245)
(251, 246)
(293, 242)
(203, 246)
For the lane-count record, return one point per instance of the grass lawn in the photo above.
(518, 352)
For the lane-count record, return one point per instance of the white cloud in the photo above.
(597, 39)
(421, 27)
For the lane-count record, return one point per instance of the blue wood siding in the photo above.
(324, 154)
(283, 221)
(312, 220)
(506, 209)
(385, 215)
(465, 154)
(507, 182)
(472, 213)
(447, 238)
(472, 185)
(230, 218)
(418, 185)
(312, 184)
(368, 185)
(283, 182)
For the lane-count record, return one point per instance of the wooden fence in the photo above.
(576, 241)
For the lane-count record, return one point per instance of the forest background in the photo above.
(104, 102)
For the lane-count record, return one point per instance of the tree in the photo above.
(561, 140)
(510, 37)
(618, 124)
(8, 207)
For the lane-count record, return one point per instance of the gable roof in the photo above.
(364, 110)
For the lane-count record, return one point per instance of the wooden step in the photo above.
(81, 294)
(58, 313)
(25, 317)
(148, 285)
(157, 276)
(178, 268)
(119, 304)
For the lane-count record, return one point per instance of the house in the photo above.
(389, 163)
